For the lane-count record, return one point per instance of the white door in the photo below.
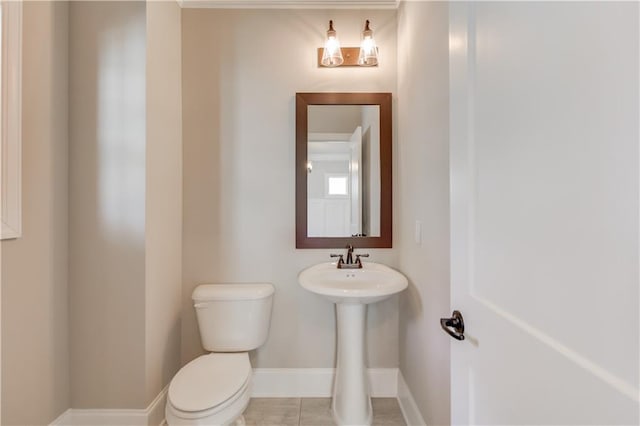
(544, 212)
(355, 172)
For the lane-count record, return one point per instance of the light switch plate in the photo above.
(418, 233)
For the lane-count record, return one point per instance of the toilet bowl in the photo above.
(214, 389)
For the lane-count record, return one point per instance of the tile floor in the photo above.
(313, 412)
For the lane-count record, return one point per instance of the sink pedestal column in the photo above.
(351, 402)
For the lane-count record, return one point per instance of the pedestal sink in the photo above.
(351, 290)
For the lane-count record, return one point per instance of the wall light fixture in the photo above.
(368, 56)
(332, 55)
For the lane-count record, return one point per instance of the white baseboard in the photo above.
(153, 415)
(383, 382)
(267, 383)
(155, 410)
(316, 382)
(408, 405)
(292, 382)
(63, 419)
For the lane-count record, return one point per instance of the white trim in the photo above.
(63, 419)
(11, 123)
(408, 405)
(153, 415)
(316, 382)
(155, 410)
(288, 4)
(292, 382)
(383, 382)
(328, 137)
(267, 383)
(96, 417)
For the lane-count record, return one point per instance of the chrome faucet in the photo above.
(349, 263)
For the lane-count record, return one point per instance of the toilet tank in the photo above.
(233, 317)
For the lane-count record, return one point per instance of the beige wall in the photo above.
(35, 341)
(133, 271)
(163, 268)
(241, 70)
(107, 204)
(125, 201)
(423, 163)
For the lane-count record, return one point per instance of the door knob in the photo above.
(454, 326)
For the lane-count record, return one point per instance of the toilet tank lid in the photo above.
(253, 291)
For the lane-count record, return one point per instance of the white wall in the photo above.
(35, 339)
(107, 203)
(241, 70)
(423, 195)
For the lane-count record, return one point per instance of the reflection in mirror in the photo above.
(343, 170)
(343, 163)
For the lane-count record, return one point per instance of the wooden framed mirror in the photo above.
(343, 170)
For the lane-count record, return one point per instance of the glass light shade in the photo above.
(332, 54)
(368, 50)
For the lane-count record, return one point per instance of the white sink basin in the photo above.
(373, 283)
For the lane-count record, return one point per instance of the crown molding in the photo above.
(289, 4)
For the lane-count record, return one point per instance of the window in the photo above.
(10, 112)
(337, 185)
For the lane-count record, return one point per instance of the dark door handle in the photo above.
(456, 322)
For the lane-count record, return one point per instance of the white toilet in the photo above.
(214, 389)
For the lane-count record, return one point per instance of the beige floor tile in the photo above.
(273, 412)
(316, 412)
(386, 412)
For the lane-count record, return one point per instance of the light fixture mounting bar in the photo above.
(350, 55)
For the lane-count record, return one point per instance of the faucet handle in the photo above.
(358, 256)
(340, 260)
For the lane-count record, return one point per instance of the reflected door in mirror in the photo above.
(343, 163)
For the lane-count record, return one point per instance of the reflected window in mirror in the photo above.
(343, 171)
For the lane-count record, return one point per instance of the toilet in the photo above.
(214, 389)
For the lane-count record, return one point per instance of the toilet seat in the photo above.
(210, 385)
(228, 414)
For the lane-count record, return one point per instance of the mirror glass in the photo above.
(343, 164)
(343, 171)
